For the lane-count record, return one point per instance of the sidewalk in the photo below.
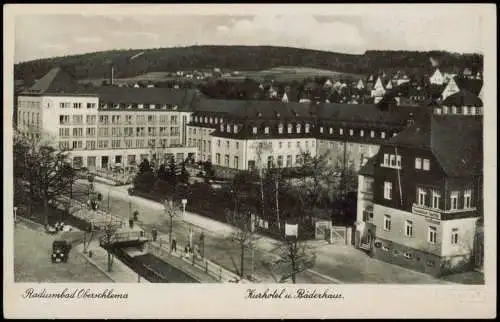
(334, 263)
(120, 273)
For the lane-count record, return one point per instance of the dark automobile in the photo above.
(60, 251)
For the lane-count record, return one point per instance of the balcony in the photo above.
(440, 214)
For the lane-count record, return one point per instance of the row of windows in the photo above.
(281, 161)
(117, 143)
(298, 128)
(208, 120)
(391, 161)
(352, 132)
(140, 119)
(202, 145)
(77, 105)
(27, 118)
(423, 200)
(140, 106)
(409, 229)
(192, 131)
(464, 110)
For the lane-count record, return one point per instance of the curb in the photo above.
(336, 281)
(97, 266)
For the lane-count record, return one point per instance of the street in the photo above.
(334, 263)
(32, 250)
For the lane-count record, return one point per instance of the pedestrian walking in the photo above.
(174, 244)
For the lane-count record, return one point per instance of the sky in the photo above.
(49, 35)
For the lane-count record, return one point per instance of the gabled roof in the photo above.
(470, 84)
(455, 140)
(463, 98)
(56, 80)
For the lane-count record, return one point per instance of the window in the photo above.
(298, 128)
(173, 119)
(237, 145)
(78, 132)
(280, 161)
(408, 228)
(228, 128)
(386, 159)
(467, 199)
(288, 161)
(115, 143)
(266, 130)
(361, 133)
(372, 134)
(77, 105)
(77, 144)
(128, 143)
(298, 144)
(227, 144)
(341, 131)
(307, 127)
(289, 144)
(421, 196)
(254, 130)
(218, 143)
(280, 128)
(90, 145)
(235, 128)
(77, 119)
(393, 160)
(217, 158)
(387, 222)
(388, 190)
(236, 162)
(435, 199)
(432, 235)
(418, 163)
(280, 144)
(289, 128)
(226, 160)
(454, 200)
(331, 131)
(454, 236)
(298, 159)
(320, 129)
(398, 161)
(426, 166)
(382, 135)
(351, 132)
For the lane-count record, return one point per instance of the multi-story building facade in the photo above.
(420, 197)
(108, 126)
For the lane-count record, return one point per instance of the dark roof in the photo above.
(470, 84)
(455, 140)
(369, 168)
(463, 98)
(56, 80)
(143, 95)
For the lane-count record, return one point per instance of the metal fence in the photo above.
(163, 249)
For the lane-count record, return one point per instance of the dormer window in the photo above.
(206, 119)
(164, 107)
(116, 106)
(211, 120)
(289, 128)
(129, 106)
(454, 110)
(320, 129)
(372, 134)
(361, 133)
(341, 131)
(104, 106)
(254, 130)
(196, 118)
(152, 106)
(228, 128)
(141, 106)
(351, 132)
(331, 130)
(382, 135)
(266, 130)
(216, 120)
(298, 128)
(222, 127)
(307, 127)
(235, 128)
(280, 128)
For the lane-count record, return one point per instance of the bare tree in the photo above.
(45, 169)
(241, 218)
(293, 257)
(261, 148)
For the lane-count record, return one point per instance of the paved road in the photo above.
(218, 245)
(32, 250)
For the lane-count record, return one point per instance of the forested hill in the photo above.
(97, 65)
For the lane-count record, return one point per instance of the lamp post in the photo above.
(184, 203)
(169, 209)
